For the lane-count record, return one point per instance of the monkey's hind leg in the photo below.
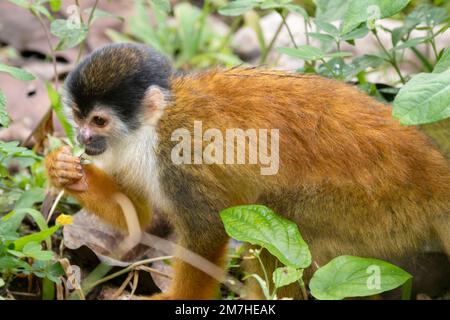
(211, 243)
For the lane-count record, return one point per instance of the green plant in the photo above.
(23, 255)
(356, 20)
(342, 277)
(189, 40)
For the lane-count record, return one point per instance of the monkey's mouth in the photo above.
(91, 151)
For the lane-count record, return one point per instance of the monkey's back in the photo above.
(346, 166)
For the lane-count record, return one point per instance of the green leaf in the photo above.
(424, 99)
(11, 149)
(411, 43)
(37, 8)
(34, 250)
(40, 236)
(238, 7)
(4, 117)
(339, 54)
(55, 5)
(69, 34)
(305, 52)
(444, 62)
(360, 11)
(29, 198)
(358, 33)
(17, 73)
(2, 282)
(259, 225)
(262, 283)
(349, 276)
(286, 275)
(331, 10)
(321, 36)
(163, 5)
(57, 106)
(328, 28)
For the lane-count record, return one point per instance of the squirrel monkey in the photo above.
(354, 180)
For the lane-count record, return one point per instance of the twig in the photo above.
(58, 198)
(91, 16)
(151, 270)
(288, 29)
(49, 41)
(129, 268)
(271, 44)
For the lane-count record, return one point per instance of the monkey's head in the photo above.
(113, 91)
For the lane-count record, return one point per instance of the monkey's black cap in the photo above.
(117, 76)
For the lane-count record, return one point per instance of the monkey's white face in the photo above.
(99, 130)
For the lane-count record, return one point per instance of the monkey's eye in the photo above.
(99, 121)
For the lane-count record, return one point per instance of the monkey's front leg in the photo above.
(189, 283)
(92, 187)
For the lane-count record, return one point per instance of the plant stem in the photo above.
(271, 44)
(91, 17)
(263, 269)
(129, 268)
(234, 26)
(328, 67)
(49, 41)
(282, 14)
(391, 58)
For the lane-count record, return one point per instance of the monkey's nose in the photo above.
(84, 139)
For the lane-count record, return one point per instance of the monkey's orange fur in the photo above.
(353, 179)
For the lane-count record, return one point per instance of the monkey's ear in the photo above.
(154, 102)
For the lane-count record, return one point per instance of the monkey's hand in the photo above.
(65, 170)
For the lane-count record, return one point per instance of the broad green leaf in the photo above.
(368, 61)
(331, 10)
(34, 237)
(238, 7)
(12, 263)
(17, 73)
(349, 276)
(286, 275)
(12, 149)
(69, 34)
(29, 198)
(321, 36)
(259, 225)
(443, 63)
(328, 28)
(424, 99)
(34, 250)
(360, 11)
(305, 52)
(4, 117)
(356, 34)
(12, 221)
